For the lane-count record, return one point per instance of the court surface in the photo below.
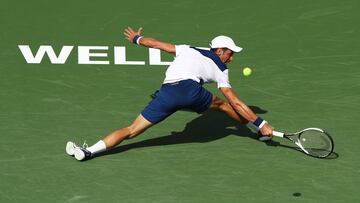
(305, 61)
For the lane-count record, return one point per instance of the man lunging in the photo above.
(182, 89)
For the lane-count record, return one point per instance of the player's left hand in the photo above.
(130, 33)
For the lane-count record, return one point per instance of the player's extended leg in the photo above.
(139, 125)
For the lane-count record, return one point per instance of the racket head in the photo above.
(314, 142)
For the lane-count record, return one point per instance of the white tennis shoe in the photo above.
(70, 148)
(80, 153)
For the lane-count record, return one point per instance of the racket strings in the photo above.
(316, 143)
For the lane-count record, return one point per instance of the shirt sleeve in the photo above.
(223, 79)
(180, 48)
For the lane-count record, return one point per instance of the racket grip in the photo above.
(278, 134)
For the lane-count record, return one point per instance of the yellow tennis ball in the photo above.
(247, 71)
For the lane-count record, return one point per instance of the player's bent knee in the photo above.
(216, 102)
(221, 105)
(225, 106)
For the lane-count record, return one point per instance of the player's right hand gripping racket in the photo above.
(312, 141)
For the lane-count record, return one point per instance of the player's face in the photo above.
(229, 55)
(226, 56)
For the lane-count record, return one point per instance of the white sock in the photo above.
(97, 148)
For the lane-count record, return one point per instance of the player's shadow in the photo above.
(210, 126)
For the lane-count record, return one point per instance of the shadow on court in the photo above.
(208, 127)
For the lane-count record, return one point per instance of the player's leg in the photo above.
(221, 105)
(139, 125)
(156, 111)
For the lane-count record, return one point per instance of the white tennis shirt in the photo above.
(200, 65)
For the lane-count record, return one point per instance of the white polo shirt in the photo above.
(200, 65)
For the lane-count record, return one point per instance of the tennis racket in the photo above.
(312, 141)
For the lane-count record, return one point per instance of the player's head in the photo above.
(224, 47)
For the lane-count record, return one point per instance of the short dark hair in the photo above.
(214, 49)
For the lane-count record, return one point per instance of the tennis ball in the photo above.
(247, 71)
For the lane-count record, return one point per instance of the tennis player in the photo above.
(182, 90)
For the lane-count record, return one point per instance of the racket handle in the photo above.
(278, 134)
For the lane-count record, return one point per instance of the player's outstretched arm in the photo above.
(135, 37)
(242, 109)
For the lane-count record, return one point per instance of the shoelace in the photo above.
(85, 145)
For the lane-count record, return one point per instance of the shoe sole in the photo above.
(79, 154)
(70, 148)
